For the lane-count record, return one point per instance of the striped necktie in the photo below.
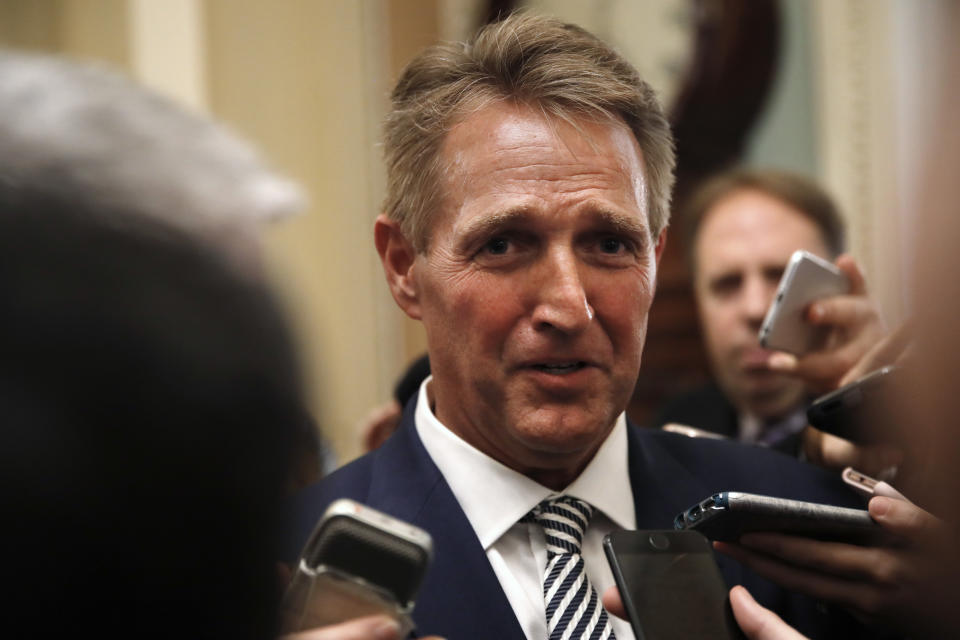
(574, 611)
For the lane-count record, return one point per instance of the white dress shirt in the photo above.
(495, 498)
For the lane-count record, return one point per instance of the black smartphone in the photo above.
(728, 515)
(859, 411)
(357, 562)
(670, 585)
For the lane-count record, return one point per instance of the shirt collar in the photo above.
(494, 497)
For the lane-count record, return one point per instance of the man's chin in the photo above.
(563, 433)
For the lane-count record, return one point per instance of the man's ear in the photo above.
(661, 244)
(397, 256)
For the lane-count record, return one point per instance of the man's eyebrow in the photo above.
(493, 222)
(490, 223)
(621, 223)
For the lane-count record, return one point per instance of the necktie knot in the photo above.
(564, 519)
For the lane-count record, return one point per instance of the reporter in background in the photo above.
(742, 227)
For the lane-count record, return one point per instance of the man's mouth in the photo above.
(755, 359)
(560, 368)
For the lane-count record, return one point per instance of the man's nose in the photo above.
(561, 297)
(757, 296)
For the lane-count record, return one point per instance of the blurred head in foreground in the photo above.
(149, 399)
(96, 138)
(89, 136)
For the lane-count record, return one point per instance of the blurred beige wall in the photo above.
(308, 82)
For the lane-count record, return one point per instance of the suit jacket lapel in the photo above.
(461, 596)
(663, 486)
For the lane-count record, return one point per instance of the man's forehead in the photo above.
(505, 147)
(507, 125)
(752, 226)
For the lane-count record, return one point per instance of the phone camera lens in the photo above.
(659, 541)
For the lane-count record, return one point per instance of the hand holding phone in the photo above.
(806, 279)
(670, 585)
(358, 562)
(907, 588)
(847, 328)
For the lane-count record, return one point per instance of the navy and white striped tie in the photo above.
(574, 611)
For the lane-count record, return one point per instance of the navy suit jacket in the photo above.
(461, 598)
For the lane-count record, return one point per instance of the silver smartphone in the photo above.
(357, 562)
(807, 278)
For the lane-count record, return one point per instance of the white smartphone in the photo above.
(807, 278)
(358, 562)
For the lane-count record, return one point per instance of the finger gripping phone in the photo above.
(670, 585)
(357, 562)
(728, 515)
(806, 278)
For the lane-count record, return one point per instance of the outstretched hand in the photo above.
(910, 586)
(756, 622)
(855, 327)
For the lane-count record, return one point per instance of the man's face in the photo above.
(741, 250)
(535, 289)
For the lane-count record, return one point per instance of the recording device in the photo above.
(859, 411)
(670, 585)
(728, 515)
(807, 278)
(357, 562)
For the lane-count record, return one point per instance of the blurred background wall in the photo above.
(834, 89)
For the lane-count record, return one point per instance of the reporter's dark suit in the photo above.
(461, 597)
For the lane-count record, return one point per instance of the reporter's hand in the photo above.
(831, 452)
(758, 622)
(855, 328)
(910, 587)
(368, 628)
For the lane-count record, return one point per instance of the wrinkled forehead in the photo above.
(503, 138)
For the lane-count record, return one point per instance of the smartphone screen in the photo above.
(670, 585)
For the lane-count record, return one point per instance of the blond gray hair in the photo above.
(558, 68)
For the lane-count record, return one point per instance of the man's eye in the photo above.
(497, 246)
(612, 245)
(725, 285)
